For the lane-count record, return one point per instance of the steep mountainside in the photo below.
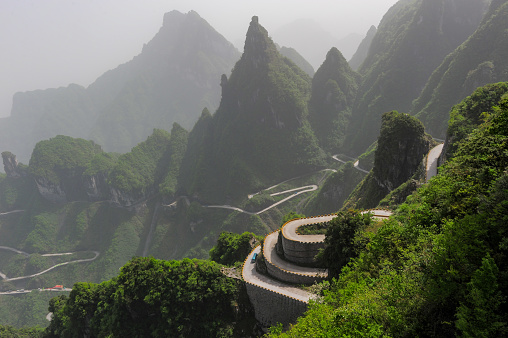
(298, 60)
(260, 133)
(412, 40)
(401, 147)
(176, 75)
(171, 80)
(468, 115)
(334, 88)
(482, 59)
(363, 49)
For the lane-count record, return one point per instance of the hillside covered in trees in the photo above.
(277, 143)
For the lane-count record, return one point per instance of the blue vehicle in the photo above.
(254, 257)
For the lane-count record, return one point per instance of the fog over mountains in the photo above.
(54, 43)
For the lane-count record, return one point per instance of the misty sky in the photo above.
(51, 43)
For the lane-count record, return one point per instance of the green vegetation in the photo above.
(139, 170)
(363, 49)
(297, 59)
(260, 134)
(407, 48)
(313, 229)
(401, 147)
(438, 267)
(233, 248)
(62, 156)
(467, 115)
(334, 89)
(366, 160)
(480, 60)
(176, 151)
(101, 163)
(25, 310)
(343, 240)
(7, 331)
(188, 298)
(15, 193)
(335, 190)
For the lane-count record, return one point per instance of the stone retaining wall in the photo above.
(271, 308)
(291, 277)
(301, 252)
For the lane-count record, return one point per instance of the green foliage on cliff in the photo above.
(232, 248)
(7, 331)
(366, 160)
(175, 153)
(14, 193)
(23, 311)
(101, 163)
(467, 115)
(188, 298)
(62, 155)
(139, 170)
(342, 241)
(297, 59)
(401, 147)
(438, 267)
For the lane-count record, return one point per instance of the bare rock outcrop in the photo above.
(12, 167)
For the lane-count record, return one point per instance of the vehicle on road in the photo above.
(253, 260)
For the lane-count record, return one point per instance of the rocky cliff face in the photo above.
(53, 192)
(402, 145)
(412, 40)
(96, 187)
(481, 59)
(363, 49)
(12, 168)
(90, 188)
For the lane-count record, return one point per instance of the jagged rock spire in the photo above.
(259, 47)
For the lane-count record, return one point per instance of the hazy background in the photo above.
(51, 43)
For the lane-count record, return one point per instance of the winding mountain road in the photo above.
(5, 278)
(432, 161)
(11, 212)
(250, 275)
(356, 164)
(7, 248)
(299, 191)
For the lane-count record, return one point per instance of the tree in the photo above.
(232, 248)
(479, 315)
(340, 240)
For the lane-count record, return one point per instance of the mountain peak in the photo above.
(259, 47)
(335, 56)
